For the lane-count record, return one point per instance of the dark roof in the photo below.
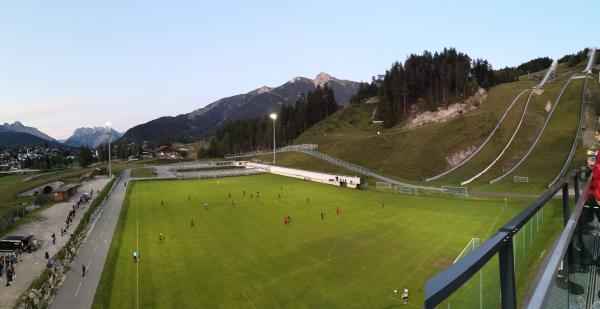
(165, 148)
(67, 187)
(12, 237)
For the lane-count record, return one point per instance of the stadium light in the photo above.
(109, 136)
(274, 117)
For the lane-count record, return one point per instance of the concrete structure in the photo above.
(324, 178)
(45, 188)
(64, 192)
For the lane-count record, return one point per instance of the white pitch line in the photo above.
(77, 292)
(137, 249)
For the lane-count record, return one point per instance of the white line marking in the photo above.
(88, 264)
(95, 248)
(101, 234)
(137, 249)
(77, 292)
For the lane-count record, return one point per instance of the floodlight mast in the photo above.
(109, 137)
(274, 117)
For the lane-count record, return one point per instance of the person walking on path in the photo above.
(53, 239)
(83, 270)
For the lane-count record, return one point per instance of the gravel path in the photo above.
(30, 266)
(78, 291)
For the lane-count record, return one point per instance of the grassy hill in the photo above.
(413, 154)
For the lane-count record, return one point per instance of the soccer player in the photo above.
(135, 256)
(162, 203)
(322, 216)
(205, 205)
(279, 196)
(229, 195)
(161, 237)
(337, 211)
(192, 223)
(405, 296)
(382, 204)
(308, 200)
(244, 193)
(257, 195)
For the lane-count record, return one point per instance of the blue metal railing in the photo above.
(440, 287)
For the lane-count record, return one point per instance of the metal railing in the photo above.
(310, 150)
(443, 285)
(290, 148)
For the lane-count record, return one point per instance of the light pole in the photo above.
(274, 117)
(109, 163)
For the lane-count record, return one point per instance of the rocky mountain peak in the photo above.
(263, 89)
(322, 79)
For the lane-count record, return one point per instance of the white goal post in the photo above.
(520, 179)
(383, 185)
(457, 191)
(406, 190)
(470, 247)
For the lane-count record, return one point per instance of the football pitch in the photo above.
(241, 254)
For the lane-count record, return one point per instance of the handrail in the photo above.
(448, 281)
(556, 256)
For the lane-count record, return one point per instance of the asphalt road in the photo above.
(78, 291)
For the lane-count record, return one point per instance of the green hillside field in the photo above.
(411, 155)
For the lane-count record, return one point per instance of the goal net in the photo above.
(461, 192)
(471, 293)
(383, 185)
(406, 190)
(521, 179)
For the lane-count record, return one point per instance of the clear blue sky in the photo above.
(67, 64)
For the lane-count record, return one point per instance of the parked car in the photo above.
(25, 243)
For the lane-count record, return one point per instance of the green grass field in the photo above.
(244, 256)
(142, 172)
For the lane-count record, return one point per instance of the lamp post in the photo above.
(274, 117)
(109, 163)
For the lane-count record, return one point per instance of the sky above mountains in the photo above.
(72, 64)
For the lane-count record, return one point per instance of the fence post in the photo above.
(565, 200)
(576, 186)
(507, 275)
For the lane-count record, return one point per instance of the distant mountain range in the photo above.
(10, 139)
(19, 127)
(262, 101)
(91, 137)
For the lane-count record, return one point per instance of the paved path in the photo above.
(78, 291)
(31, 266)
